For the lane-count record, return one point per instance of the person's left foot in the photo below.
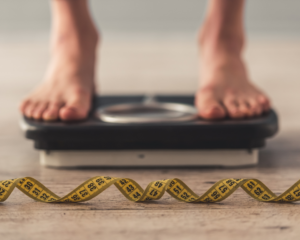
(225, 89)
(228, 92)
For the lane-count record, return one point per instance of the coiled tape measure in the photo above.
(154, 191)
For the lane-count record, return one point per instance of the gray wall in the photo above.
(264, 17)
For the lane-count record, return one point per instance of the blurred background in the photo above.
(150, 46)
(264, 17)
(144, 43)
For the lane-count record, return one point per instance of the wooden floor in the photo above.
(165, 66)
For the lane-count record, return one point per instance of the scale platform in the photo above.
(198, 142)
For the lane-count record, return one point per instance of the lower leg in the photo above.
(225, 89)
(68, 87)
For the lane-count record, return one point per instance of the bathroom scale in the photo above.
(143, 131)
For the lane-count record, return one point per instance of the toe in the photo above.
(214, 111)
(28, 111)
(23, 105)
(75, 110)
(265, 103)
(52, 112)
(39, 110)
(233, 108)
(209, 107)
(244, 108)
(70, 113)
(254, 106)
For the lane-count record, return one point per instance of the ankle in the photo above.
(72, 25)
(220, 39)
(86, 38)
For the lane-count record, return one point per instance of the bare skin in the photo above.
(225, 89)
(69, 85)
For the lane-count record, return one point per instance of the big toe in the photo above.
(77, 110)
(70, 113)
(210, 108)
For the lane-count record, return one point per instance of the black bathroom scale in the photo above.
(163, 131)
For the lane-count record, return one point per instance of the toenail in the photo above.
(50, 118)
(213, 111)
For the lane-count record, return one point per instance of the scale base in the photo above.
(150, 158)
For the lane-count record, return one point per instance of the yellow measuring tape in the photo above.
(154, 191)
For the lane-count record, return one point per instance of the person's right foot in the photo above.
(68, 88)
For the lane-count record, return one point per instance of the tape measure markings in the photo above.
(154, 191)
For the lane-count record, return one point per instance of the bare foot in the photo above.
(225, 88)
(68, 87)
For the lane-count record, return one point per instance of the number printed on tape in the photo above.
(155, 190)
